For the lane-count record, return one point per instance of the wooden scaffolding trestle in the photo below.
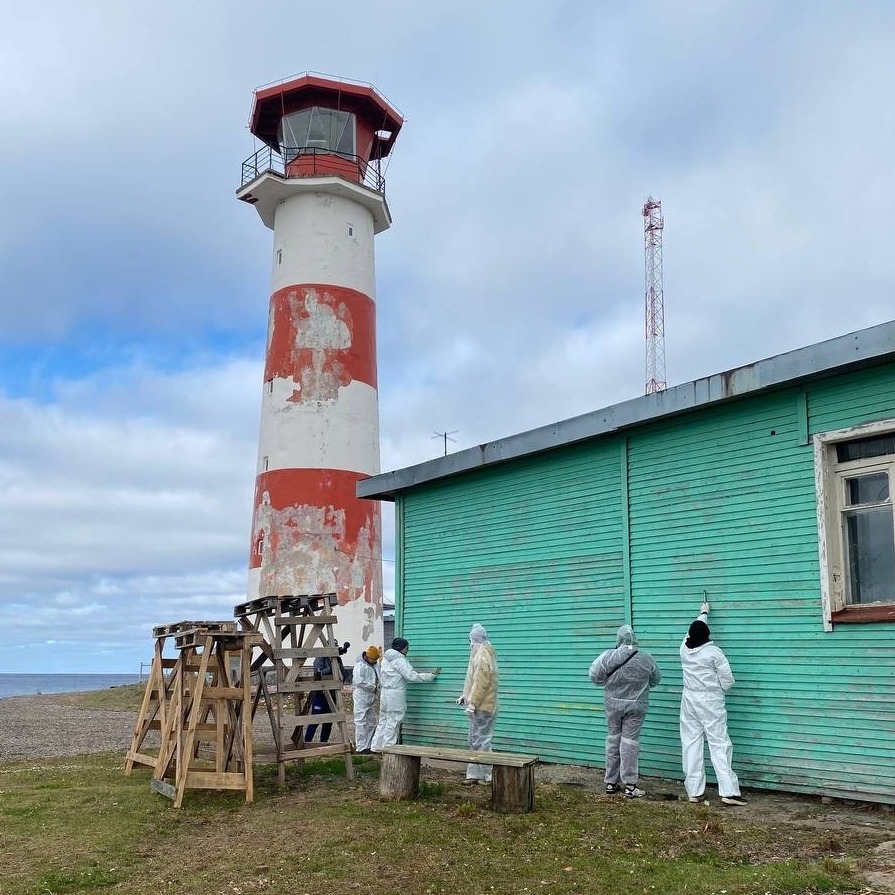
(295, 630)
(206, 737)
(157, 695)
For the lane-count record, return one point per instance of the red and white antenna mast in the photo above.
(653, 223)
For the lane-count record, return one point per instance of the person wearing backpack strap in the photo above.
(626, 675)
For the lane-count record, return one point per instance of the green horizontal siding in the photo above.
(546, 552)
(534, 552)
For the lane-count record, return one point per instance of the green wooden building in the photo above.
(767, 489)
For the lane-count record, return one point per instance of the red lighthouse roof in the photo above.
(378, 121)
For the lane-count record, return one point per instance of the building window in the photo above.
(855, 473)
(279, 256)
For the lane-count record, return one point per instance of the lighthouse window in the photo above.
(327, 130)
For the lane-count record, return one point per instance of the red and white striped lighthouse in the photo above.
(317, 184)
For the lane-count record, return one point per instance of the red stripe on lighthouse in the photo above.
(310, 519)
(322, 337)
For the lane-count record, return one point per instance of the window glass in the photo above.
(867, 489)
(317, 128)
(870, 544)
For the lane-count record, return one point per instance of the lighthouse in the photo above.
(317, 184)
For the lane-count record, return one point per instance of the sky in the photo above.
(134, 286)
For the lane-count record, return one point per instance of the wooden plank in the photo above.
(142, 758)
(178, 627)
(308, 686)
(231, 641)
(245, 671)
(214, 780)
(214, 692)
(265, 605)
(300, 620)
(467, 756)
(308, 652)
(316, 752)
(163, 788)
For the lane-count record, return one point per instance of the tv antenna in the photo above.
(446, 436)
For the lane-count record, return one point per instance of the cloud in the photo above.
(126, 472)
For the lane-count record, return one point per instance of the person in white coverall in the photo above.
(626, 674)
(707, 677)
(479, 699)
(394, 675)
(365, 679)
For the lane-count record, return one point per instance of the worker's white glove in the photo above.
(470, 709)
(461, 700)
(705, 608)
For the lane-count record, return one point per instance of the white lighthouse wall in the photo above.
(313, 421)
(323, 238)
(343, 434)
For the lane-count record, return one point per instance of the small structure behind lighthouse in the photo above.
(317, 183)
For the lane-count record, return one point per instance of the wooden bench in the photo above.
(512, 777)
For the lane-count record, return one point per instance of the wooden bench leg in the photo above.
(513, 789)
(399, 777)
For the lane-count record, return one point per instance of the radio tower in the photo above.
(653, 223)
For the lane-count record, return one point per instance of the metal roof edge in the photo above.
(854, 349)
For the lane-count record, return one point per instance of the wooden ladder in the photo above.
(206, 737)
(154, 707)
(295, 631)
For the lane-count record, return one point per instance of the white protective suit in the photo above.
(707, 677)
(395, 674)
(626, 673)
(480, 699)
(366, 689)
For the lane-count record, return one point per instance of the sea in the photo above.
(33, 684)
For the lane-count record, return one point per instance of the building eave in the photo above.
(862, 348)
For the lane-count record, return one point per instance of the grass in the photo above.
(125, 698)
(78, 825)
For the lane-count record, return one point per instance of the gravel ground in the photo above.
(39, 727)
(36, 727)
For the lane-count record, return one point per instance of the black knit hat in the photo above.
(698, 634)
(399, 643)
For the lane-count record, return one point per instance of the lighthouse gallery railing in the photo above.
(311, 161)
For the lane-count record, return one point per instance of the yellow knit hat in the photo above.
(372, 653)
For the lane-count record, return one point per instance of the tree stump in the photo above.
(399, 777)
(512, 789)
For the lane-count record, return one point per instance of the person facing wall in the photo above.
(479, 699)
(707, 677)
(395, 674)
(626, 675)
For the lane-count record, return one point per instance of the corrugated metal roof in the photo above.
(862, 348)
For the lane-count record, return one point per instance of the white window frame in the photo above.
(829, 479)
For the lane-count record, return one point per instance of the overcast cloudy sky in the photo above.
(134, 286)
